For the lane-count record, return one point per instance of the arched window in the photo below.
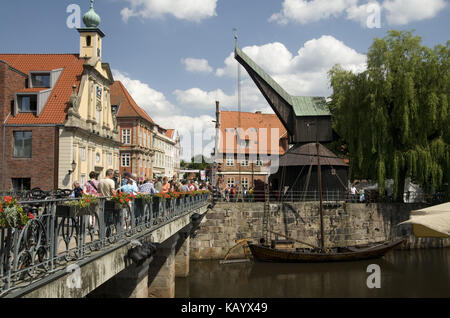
(88, 40)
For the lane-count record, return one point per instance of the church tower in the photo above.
(91, 37)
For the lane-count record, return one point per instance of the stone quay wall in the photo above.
(345, 224)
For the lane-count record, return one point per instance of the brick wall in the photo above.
(40, 168)
(348, 224)
(10, 82)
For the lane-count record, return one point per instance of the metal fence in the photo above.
(327, 196)
(59, 235)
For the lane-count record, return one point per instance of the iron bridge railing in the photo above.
(327, 196)
(56, 236)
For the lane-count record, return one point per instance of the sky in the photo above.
(175, 56)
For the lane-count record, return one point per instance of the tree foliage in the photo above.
(395, 116)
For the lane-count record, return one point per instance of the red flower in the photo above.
(1, 208)
(121, 200)
(8, 199)
(30, 216)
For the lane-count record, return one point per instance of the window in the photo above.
(83, 180)
(22, 144)
(88, 40)
(40, 80)
(245, 143)
(259, 163)
(230, 162)
(27, 104)
(21, 184)
(99, 92)
(126, 136)
(126, 160)
(83, 154)
(244, 163)
(230, 182)
(245, 183)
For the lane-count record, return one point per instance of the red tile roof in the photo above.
(54, 111)
(230, 119)
(170, 132)
(128, 107)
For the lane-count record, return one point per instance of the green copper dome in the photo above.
(91, 19)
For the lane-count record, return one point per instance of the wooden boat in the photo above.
(264, 253)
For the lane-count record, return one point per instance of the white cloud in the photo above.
(195, 131)
(398, 12)
(200, 99)
(362, 12)
(146, 97)
(275, 58)
(401, 12)
(302, 74)
(192, 10)
(303, 11)
(197, 65)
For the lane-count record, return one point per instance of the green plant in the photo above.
(123, 198)
(12, 214)
(85, 202)
(145, 197)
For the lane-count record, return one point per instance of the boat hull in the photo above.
(267, 254)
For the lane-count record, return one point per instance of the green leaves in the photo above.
(395, 116)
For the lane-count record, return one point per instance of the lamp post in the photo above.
(74, 166)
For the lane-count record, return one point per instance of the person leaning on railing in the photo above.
(106, 186)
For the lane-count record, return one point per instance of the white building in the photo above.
(166, 144)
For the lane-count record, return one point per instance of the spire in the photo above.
(91, 19)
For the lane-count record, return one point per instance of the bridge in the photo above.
(135, 250)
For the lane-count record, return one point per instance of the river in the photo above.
(412, 273)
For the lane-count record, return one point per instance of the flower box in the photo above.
(72, 211)
(12, 214)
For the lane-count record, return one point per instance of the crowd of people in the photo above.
(114, 182)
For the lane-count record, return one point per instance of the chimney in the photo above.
(217, 114)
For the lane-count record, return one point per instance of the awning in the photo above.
(431, 222)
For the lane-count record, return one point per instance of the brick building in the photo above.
(136, 131)
(55, 115)
(245, 155)
(148, 149)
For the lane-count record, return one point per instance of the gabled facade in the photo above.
(244, 156)
(136, 131)
(167, 152)
(57, 123)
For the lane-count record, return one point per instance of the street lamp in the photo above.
(74, 166)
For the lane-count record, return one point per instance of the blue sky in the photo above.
(148, 41)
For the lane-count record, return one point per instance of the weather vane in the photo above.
(235, 34)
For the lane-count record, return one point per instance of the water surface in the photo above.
(415, 273)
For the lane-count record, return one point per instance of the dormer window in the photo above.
(27, 103)
(40, 80)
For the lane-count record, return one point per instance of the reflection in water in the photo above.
(415, 273)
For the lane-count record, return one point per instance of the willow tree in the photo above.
(395, 116)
